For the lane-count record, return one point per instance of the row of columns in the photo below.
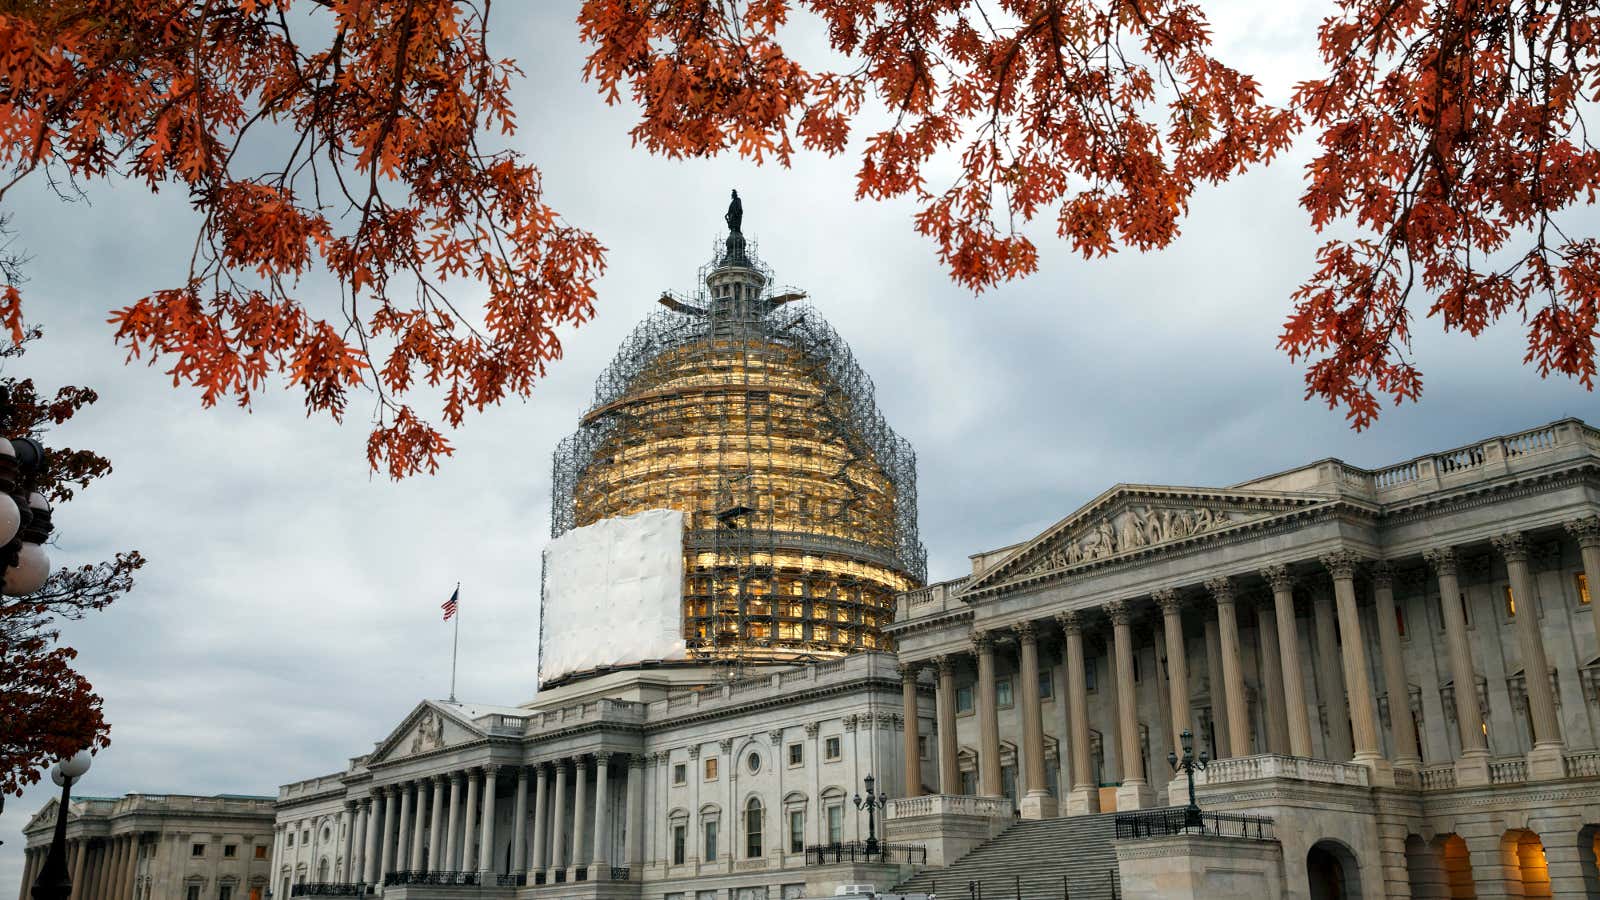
(457, 812)
(101, 868)
(1342, 666)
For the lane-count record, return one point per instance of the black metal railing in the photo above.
(434, 878)
(857, 851)
(1107, 886)
(514, 879)
(1188, 820)
(331, 889)
(620, 873)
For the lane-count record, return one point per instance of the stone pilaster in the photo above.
(988, 717)
(1084, 796)
(1402, 729)
(1545, 760)
(1586, 532)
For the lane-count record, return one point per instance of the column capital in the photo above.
(1221, 589)
(775, 737)
(909, 669)
(1511, 545)
(1169, 601)
(492, 769)
(1119, 611)
(1278, 576)
(636, 761)
(945, 663)
(366, 804)
(350, 804)
(1442, 560)
(1382, 574)
(983, 641)
(602, 758)
(581, 762)
(1070, 621)
(439, 778)
(811, 729)
(1341, 563)
(1026, 632)
(663, 757)
(1586, 531)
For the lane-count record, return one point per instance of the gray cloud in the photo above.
(289, 614)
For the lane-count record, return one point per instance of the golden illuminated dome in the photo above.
(743, 409)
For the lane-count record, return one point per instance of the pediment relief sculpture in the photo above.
(429, 734)
(1132, 528)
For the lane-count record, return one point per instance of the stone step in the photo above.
(1070, 857)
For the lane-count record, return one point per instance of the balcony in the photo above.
(330, 889)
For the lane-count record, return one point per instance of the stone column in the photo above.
(1330, 687)
(1135, 792)
(580, 813)
(558, 824)
(452, 828)
(486, 845)
(1472, 766)
(911, 747)
(1036, 800)
(600, 866)
(418, 826)
(633, 827)
(1084, 797)
(391, 801)
(1273, 712)
(77, 871)
(112, 865)
(1358, 683)
(1586, 532)
(988, 717)
(1216, 685)
(402, 851)
(1402, 729)
(541, 808)
(436, 827)
(130, 846)
(1232, 666)
(1294, 697)
(1546, 759)
(469, 821)
(363, 825)
(349, 842)
(369, 856)
(945, 709)
(519, 829)
(1177, 666)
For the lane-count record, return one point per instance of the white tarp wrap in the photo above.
(613, 594)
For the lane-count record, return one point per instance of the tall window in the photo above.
(1582, 581)
(193, 892)
(678, 834)
(225, 893)
(797, 831)
(836, 823)
(831, 748)
(1047, 684)
(711, 841)
(752, 828)
(261, 851)
(964, 699)
(1511, 603)
(711, 769)
(1002, 693)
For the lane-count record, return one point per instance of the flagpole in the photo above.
(455, 644)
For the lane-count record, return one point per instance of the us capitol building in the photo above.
(1393, 674)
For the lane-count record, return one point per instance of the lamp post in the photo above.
(871, 803)
(1189, 765)
(54, 882)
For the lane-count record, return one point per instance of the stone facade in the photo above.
(1294, 624)
(159, 847)
(653, 783)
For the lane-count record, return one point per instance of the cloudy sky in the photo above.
(290, 611)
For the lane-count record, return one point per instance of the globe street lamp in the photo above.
(1189, 765)
(54, 883)
(871, 803)
(24, 521)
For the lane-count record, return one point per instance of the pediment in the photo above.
(46, 816)
(1133, 519)
(430, 726)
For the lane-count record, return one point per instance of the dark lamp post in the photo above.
(54, 882)
(1189, 765)
(871, 803)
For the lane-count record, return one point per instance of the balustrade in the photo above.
(948, 805)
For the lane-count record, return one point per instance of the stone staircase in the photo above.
(1034, 854)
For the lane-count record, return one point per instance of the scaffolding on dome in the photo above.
(740, 406)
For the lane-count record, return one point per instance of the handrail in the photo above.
(1175, 820)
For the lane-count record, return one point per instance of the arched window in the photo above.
(752, 828)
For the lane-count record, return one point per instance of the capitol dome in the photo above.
(740, 407)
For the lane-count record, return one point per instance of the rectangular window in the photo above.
(832, 749)
(1002, 693)
(797, 754)
(752, 832)
(797, 831)
(1047, 684)
(710, 854)
(680, 773)
(261, 851)
(226, 893)
(969, 782)
(197, 850)
(1088, 675)
(1400, 618)
(229, 851)
(1511, 603)
(677, 844)
(922, 746)
(964, 699)
(1582, 582)
(1138, 672)
(193, 892)
(711, 768)
(836, 823)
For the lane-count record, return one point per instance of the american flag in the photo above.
(449, 606)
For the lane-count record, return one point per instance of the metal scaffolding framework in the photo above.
(741, 407)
